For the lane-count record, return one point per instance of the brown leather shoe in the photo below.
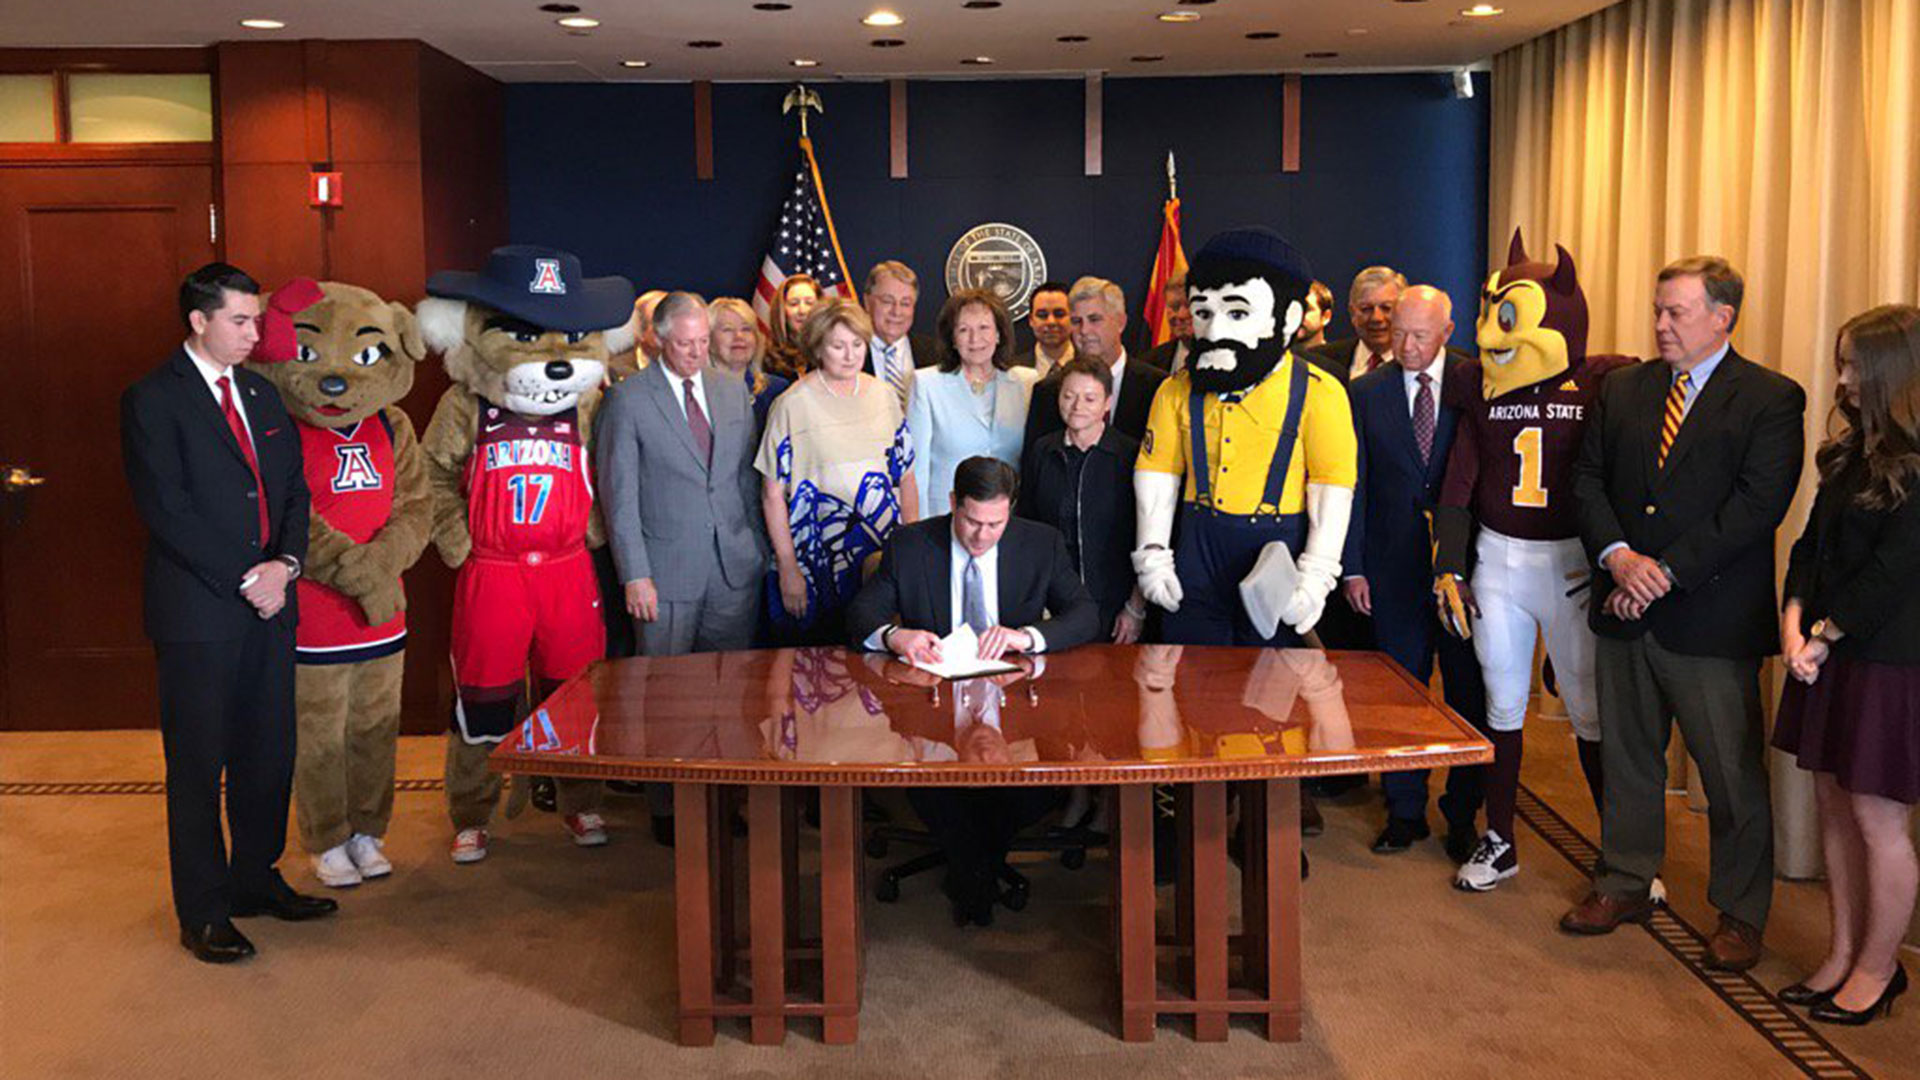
(1735, 946)
(1603, 914)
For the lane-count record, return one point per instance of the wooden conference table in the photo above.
(762, 727)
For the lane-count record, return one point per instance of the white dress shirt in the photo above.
(1043, 363)
(679, 385)
(1119, 374)
(213, 373)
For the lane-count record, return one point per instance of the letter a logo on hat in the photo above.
(546, 278)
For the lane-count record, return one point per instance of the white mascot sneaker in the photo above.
(365, 852)
(335, 867)
(469, 845)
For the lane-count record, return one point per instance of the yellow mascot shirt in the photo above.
(1242, 435)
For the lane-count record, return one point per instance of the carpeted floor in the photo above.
(550, 961)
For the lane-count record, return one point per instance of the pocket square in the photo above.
(270, 431)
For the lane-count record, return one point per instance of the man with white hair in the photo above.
(896, 352)
(1098, 310)
(1370, 310)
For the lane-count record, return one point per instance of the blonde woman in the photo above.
(738, 348)
(792, 303)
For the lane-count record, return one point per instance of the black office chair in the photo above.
(1070, 842)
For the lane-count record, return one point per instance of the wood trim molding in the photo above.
(703, 129)
(1290, 123)
(897, 129)
(1095, 151)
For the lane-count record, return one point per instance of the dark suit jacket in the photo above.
(1161, 355)
(1388, 540)
(926, 353)
(1137, 387)
(1334, 357)
(914, 586)
(1102, 494)
(1710, 514)
(1857, 566)
(193, 489)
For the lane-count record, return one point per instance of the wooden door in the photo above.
(90, 262)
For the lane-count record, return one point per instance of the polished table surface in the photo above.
(1102, 714)
(739, 733)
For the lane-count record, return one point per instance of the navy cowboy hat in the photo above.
(542, 286)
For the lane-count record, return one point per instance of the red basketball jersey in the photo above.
(528, 485)
(1512, 460)
(350, 474)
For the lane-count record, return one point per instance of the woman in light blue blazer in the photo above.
(975, 403)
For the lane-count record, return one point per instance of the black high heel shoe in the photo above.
(1804, 996)
(1829, 1013)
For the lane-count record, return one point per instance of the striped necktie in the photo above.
(896, 378)
(1676, 412)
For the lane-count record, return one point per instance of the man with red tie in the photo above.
(214, 465)
(1370, 302)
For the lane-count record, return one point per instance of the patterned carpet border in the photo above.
(1796, 1040)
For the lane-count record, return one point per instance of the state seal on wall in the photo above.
(1002, 259)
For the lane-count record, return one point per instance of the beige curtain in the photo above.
(1782, 134)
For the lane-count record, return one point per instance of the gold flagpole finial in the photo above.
(802, 98)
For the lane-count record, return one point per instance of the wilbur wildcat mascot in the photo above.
(1507, 509)
(342, 358)
(1251, 450)
(526, 343)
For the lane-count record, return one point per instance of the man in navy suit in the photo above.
(214, 466)
(1404, 432)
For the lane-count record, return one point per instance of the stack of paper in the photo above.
(960, 657)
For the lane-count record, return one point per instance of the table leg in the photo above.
(693, 916)
(726, 942)
(1138, 985)
(766, 899)
(1280, 945)
(839, 913)
(1205, 816)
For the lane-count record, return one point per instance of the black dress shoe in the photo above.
(546, 797)
(1400, 834)
(1830, 1013)
(1805, 996)
(1461, 839)
(216, 943)
(284, 904)
(1311, 821)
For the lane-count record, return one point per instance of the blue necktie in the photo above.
(973, 599)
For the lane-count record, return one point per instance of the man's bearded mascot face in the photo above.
(1247, 291)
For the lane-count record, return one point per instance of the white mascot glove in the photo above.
(1156, 496)
(1328, 508)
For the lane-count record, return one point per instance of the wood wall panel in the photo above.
(266, 227)
(261, 104)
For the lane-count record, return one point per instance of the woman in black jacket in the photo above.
(1850, 632)
(1080, 480)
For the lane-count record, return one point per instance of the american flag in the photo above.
(805, 242)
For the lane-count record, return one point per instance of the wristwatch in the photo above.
(1818, 632)
(292, 564)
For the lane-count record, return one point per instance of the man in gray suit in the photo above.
(680, 495)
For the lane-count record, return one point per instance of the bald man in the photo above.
(1405, 431)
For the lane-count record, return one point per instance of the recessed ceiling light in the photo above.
(560, 9)
(578, 22)
(263, 24)
(636, 63)
(883, 17)
(1178, 16)
(1195, 3)
(1147, 59)
(1482, 11)
(976, 60)
(704, 44)
(886, 43)
(773, 7)
(981, 5)
(1358, 31)
(1263, 35)
(1071, 39)
(801, 61)
(1322, 55)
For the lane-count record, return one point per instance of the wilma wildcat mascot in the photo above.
(526, 342)
(342, 359)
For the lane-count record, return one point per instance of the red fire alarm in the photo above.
(323, 189)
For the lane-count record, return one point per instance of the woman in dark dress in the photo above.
(1850, 632)
(1080, 480)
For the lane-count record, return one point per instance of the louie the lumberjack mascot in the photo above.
(1254, 449)
(526, 343)
(1510, 476)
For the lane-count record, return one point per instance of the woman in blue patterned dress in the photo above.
(836, 464)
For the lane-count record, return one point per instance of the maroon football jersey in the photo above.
(528, 489)
(1511, 465)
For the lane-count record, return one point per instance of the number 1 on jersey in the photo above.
(1529, 492)
(518, 484)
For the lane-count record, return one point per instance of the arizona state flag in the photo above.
(1168, 263)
